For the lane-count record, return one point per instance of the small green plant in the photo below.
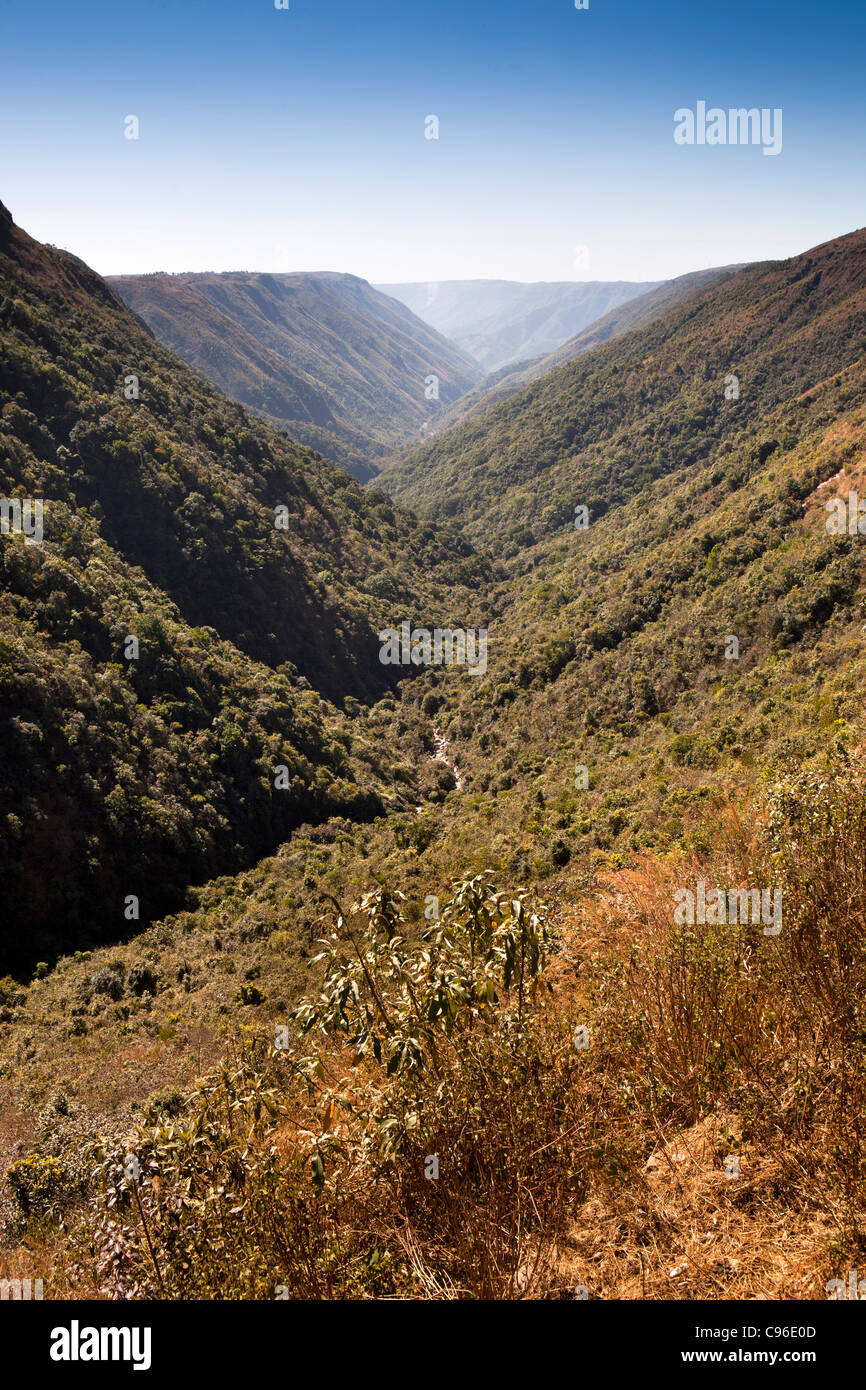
(39, 1185)
(391, 998)
(10, 991)
(169, 1102)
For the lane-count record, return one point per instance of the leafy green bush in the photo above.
(168, 1101)
(440, 1090)
(39, 1185)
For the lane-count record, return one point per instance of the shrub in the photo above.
(59, 1102)
(106, 981)
(169, 1101)
(38, 1183)
(439, 1048)
(142, 979)
(11, 993)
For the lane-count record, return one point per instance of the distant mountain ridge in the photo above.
(340, 366)
(639, 406)
(499, 322)
(626, 318)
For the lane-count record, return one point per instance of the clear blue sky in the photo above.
(294, 140)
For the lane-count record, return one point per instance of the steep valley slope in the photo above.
(337, 364)
(206, 593)
(673, 690)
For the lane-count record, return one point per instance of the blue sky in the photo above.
(294, 140)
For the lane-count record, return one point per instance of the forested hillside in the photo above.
(326, 357)
(634, 313)
(648, 404)
(253, 576)
(455, 939)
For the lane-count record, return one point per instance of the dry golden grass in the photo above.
(676, 1225)
(684, 1230)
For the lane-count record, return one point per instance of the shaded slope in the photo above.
(324, 356)
(133, 775)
